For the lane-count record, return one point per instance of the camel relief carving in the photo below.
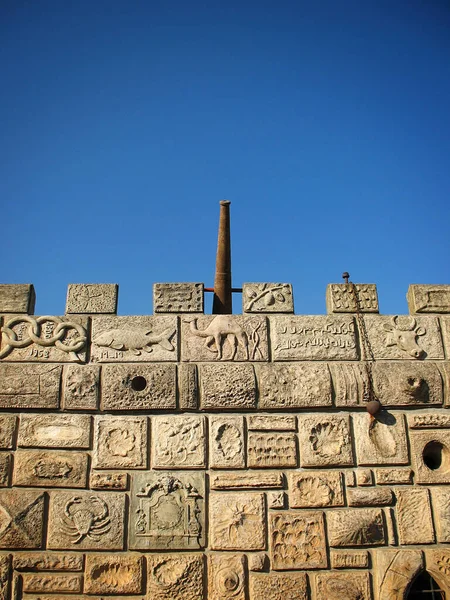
(221, 328)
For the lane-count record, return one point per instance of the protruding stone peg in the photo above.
(222, 303)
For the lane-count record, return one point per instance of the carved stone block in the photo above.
(438, 565)
(226, 442)
(313, 338)
(395, 570)
(29, 386)
(356, 527)
(341, 298)
(297, 540)
(224, 337)
(7, 430)
(188, 386)
(86, 520)
(5, 469)
(54, 431)
(113, 574)
(431, 455)
(350, 478)
(350, 383)
(108, 481)
(276, 500)
(344, 559)
(134, 339)
(364, 477)
(441, 506)
(428, 299)
(237, 521)
(81, 387)
(414, 522)
(278, 586)
(44, 339)
(227, 386)
(178, 297)
(120, 442)
(91, 298)
(325, 440)
(267, 298)
(17, 298)
(167, 511)
(137, 387)
(41, 561)
(178, 442)
(381, 441)
(428, 420)
(271, 423)
(445, 324)
(371, 496)
(51, 583)
(5, 576)
(175, 576)
(408, 384)
(309, 489)
(245, 481)
(404, 337)
(226, 577)
(294, 385)
(272, 450)
(44, 468)
(393, 476)
(21, 518)
(257, 561)
(351, 586)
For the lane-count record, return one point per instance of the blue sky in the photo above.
(327, 125)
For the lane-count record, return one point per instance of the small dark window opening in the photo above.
(432, 455)
(138, 383)
(425, 588)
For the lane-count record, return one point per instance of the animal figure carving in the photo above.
(134, 340)
(85, 517)
(220, 329)
(405, 338)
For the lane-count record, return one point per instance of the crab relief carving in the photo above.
(85, 517)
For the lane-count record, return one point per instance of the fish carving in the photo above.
(134, 340)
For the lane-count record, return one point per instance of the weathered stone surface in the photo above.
(226, 577)
(428, 420)
(371, 496)
(364, 477)
(108, 481)
(272, 423)
(7, 430)
(37, 582)
(120, 442)
(403, 337)
(294, 385)
(351, 586)
(178, 442)
(382, 440)
(49, 468)
(134, 339)
(188, 386)
(86, 520)
(407, 384)
(227, 386)
(54, 431)
(257, 561)
(297, 540)
(345, 559)
(113, 574)
(441, 507)
(51, 561)
(350, 383)
(431, 455)
(91, 298)
(237, 521)
(438, 565)
(445, 324)
(29, 386)
(315, 489)
(350, 478)
(5, 469)
(44, 339)
(428, 298)
(276, 499)
(341, 298)
(395, 570)
(178, 297)
(272, 450)
(247, 480)
(175, 576)
(393, 476)
(21, 518)
(325, 440)
(226, 440)
(267, 298)
(313, 338)
(414, 522)
(278, 586)
(224, 337)
(5, 576)
(167, 511)
(17, 298)
(136, 387)
(81, 387)
(356, 527)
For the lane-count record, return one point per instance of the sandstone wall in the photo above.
(190, 456)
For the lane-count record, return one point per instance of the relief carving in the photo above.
(343, 559)
(227, 386)
(429, 421)
(81, 387)
(414, 521)
(272, 450)
(179, 442)
(37, 583)
(237, 521)
(408, 384)
(39, 561)
(325, 441)
(267, 297)
(178, 297)
(441, 506)
(353, 527)
(120, 443)
(29, 386)
(175, 576)
(381, 440)
(315, 489)
(337, 586)
(226, 575)
(244, 481)
(113, 574)
(54, 431)
(431, 455)
(109, 481)
(7, 430)
(278, 586)
(227, 442)
(91, 298)
(85, 517)
(41, 468)
(351, 383)
(21, 518)
(395, 570)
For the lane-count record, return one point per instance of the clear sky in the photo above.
(124, 122)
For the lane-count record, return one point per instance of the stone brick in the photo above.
(395, 570)
(428, 420)
(8, 425)
(267, 298)
(54, 431)
(175, 576)
(6, 465)
(178, 297)
(113, 574)
(351, 586)
(21, 518)
(51, 561)
(408, 384)
(276, 500)
(237, 521)
(51, 583)
(44, 468)
(393, 476)
(415, 525)
(372, 496)
(441, 507)
(244, 481)
(188, 386)
(364, 477)
(345, 559)
(178, 442)
(428, 299)
(309, 489)
(81, 387)
(272, 450)
(91, 298)
(341, 298)
(17, 298)
(226, 577)
(29, 386)
(271, 423)
(356, 527)
(257, 561)
(431, 455)
(297, 540)
(381, 441)
(278, 586)
(108, 481)
(350, 383)
(226, 442)
(120, 442)
(227, 386)
(325, 440)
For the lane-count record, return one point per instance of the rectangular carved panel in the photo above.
(29, 386)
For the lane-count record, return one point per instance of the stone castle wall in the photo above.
(188, 456)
